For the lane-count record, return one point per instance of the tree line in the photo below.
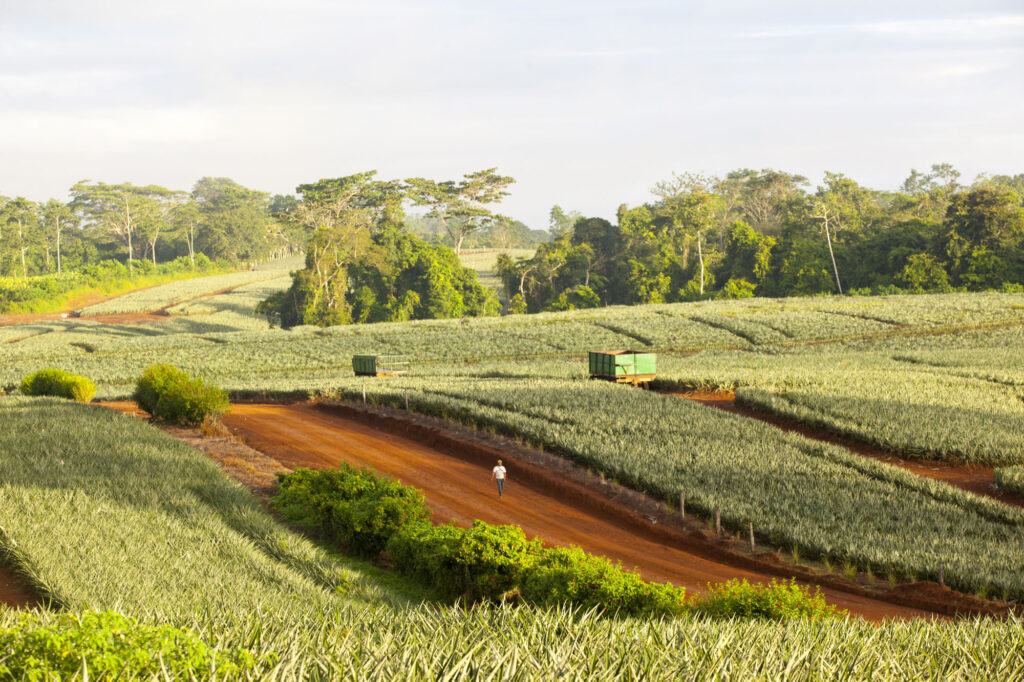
(766, 233)
(220, 220)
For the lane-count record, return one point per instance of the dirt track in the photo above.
(460, 490)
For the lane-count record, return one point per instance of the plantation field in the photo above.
(168, 295)
(483, 263)
(118, 515)
(132, 520)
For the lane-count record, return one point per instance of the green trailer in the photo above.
(379, 365)
(623, 366)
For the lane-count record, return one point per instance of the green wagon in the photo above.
(379, 365)
(623, 366)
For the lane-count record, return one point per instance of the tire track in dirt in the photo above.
(459, 489)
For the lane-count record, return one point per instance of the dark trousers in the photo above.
(501, 485)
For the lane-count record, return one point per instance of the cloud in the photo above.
(957, 28)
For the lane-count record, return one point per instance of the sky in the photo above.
(586, 104)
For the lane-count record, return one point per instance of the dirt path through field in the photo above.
(976, 479)
(459, 489)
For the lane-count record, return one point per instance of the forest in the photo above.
(764, 233)
(387, 250)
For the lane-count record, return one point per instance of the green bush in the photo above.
(107, 645)
(480, 562)
(780, 600)
(173, 396)
(154, 382)
(353, 507)
(572, 576)
(57, 382)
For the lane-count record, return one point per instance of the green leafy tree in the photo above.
(236, 221)
(122, 211)
(460, 207)
(19, 227)
(923, 272)
(57, 217)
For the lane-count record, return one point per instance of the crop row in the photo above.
(1011, 478)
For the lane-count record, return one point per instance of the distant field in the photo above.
(483, 262)
(167, 295)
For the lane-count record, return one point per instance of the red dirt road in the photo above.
(460, 490)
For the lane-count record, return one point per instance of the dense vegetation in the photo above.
(108, 645)
(174, 397)
(363, 266)
(761, 233)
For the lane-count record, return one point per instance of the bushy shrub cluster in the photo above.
(353, 507)
(57, 382)
(780, 600)
(480, 562)
(367, 514)
(571, 575)
(173, 396)
(107, 645)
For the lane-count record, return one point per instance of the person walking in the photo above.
(498, 474)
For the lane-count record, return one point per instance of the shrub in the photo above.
(572, 576)
(480, 562)
(780, 600)
(107, 646)
(353, 507)
(57, 382)
(171, 395)
(154, 382)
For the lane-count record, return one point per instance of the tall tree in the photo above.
(57, 217)
(461, 207)
(20, 217)
(237, 220)
(120, 210)
(690, 207)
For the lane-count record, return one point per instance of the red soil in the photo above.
(13, 591)
(973, 478)
(454, 474)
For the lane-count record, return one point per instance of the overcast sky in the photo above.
(587, 104)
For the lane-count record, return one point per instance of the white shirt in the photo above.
(499, 472)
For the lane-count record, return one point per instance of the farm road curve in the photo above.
(459, 490)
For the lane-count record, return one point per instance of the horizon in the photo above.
(586, 105)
